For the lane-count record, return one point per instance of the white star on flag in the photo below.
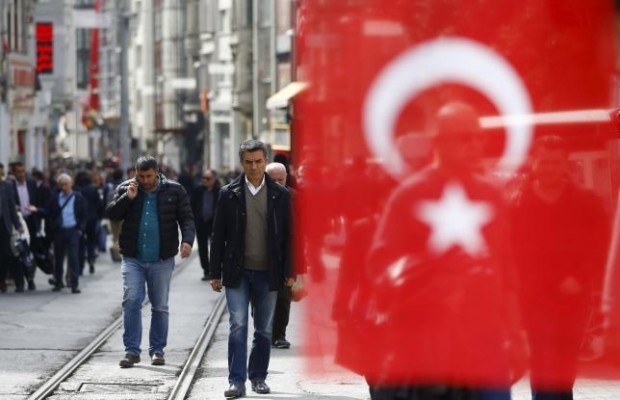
(455, 220)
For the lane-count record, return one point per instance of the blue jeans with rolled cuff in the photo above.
(140, 278)
(254, 290)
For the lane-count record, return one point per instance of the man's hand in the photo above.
(570, 286)
(132, 190)
(289, 282)
(216, 284)
(21, 230)
(185, 249)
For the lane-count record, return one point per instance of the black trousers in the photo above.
(34, 224)
(88, 244)
(282, 313)
(67, 242)
(422, 393)
(203, 235)
(8, 263)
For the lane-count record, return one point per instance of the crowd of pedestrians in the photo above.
(60, 215)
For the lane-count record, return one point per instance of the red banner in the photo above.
(457, 179)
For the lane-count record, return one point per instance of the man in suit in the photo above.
(203, 202)
(8, 221)
(27, 200)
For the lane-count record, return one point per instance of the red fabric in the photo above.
(441, 326)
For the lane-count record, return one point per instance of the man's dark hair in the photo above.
(145, 163)
(82, 178)
(251, 146)
(550, 142)
(37, 174)
(1, 165)
(117, 174)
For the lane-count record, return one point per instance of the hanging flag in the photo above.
(456, 183)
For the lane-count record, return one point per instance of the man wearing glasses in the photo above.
(203, 202)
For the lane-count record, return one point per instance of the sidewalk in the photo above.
(286, 371)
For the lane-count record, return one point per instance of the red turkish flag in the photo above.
(457, 177)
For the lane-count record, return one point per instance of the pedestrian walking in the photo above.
(152, 209)
(115, 226)
(560, 234)
(204, 198)
(277, 171)
(67, 213)
(251, 258)
(444, 302)
(28, 201)
(94, 212)
(8, 221)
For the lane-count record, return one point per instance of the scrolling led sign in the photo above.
(45, 48)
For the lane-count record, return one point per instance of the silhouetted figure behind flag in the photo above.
(560, 238)
(444, 295)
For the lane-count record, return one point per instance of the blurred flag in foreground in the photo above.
(457, 184)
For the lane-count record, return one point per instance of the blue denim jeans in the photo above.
(494, 394)
(156, 277)
(254, 289)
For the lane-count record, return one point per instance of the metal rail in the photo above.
(182, 386)
(69, 368)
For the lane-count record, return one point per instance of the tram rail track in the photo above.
(188, 372)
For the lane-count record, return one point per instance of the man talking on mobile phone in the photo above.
(152, 209)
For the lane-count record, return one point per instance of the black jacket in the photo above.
(55, 213)
(196, 202)
(173, 209)
(94, 203)
(228, 240)
(8, 214)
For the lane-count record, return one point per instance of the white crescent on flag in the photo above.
(445, 60)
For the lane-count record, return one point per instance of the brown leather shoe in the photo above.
(129, 361)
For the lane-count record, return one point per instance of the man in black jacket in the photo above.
(204, 198)
(250, 256)
(67, 211)
(152, 209)
(8, 221)
(28, 202)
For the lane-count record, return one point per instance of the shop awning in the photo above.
(281, 98)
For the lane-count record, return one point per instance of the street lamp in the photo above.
(125, 150)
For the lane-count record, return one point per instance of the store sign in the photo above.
(45, 48)
(21, 83)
